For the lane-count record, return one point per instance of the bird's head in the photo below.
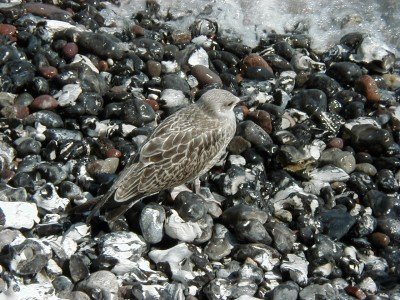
(218, 102)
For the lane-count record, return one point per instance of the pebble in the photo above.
(177, 228)
(337, 222)
(44, 102)
(48, 72)
(18, 214)
(341, 159)
(24, 264)
(151, 223)
(70, 50)
(205, 76)
(68, 94)
(47, 198)
(310, 101)
(100, 284)
(367, 86)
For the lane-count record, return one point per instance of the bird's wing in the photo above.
(180, 136)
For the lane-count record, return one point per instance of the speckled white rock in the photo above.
(178, 229)
(19, 214)
(68, 94)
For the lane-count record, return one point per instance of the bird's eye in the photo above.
(230, 104)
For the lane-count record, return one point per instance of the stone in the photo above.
(18, 215)
(205, 76)
(367, 86)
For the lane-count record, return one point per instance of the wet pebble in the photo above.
(205, 76)
(341, 159)
(367, 86)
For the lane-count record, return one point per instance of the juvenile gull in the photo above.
(182, 148)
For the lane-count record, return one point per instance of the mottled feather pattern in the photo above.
(182, 148)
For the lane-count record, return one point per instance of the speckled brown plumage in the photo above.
(183, 147)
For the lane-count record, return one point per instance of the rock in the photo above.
(46, 118)
(78, 268)
(380, 203)
(324, 83)
(288, 290)
(100, 283)
(367, 86)
(314, 291)
(329, 174)
(24, 264)
(101, 44)
(266, 256)
(18, 215)
(366, 168)
(69, 94)
(255, 60)
(284, 238)
(220, 245)
(48, 72)
(28, 146)
(153, 50)
(297, 266)
(174, 258)
(337, 222)
(190, 206)
(70, 50)
(44, 102)
(309, 101)
(47, 198)
(341, 159)
(205, 76)
(177, 228)
(344, 72)
(151, 223)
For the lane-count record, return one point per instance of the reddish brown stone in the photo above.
(255, 60)
(48, 72)
(367, 86)
(380, 239)
(205, 76)
(245, 110)
(70, 50)
(44, 10)
(8, 30)
(113, 153)
(44, 102)
(355, 292)
(102, 65)
(336, 143)
(137, 30)
(153, 103)
(261, 118)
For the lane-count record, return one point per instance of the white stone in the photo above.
(68, 94)
(19, 214)
(79, 58)
(199, 57)
(173, 98)
(178, 229)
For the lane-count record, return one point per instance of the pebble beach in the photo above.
(304, 204)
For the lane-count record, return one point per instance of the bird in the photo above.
(183, 147)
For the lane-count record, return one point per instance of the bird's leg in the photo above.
(197, 186)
